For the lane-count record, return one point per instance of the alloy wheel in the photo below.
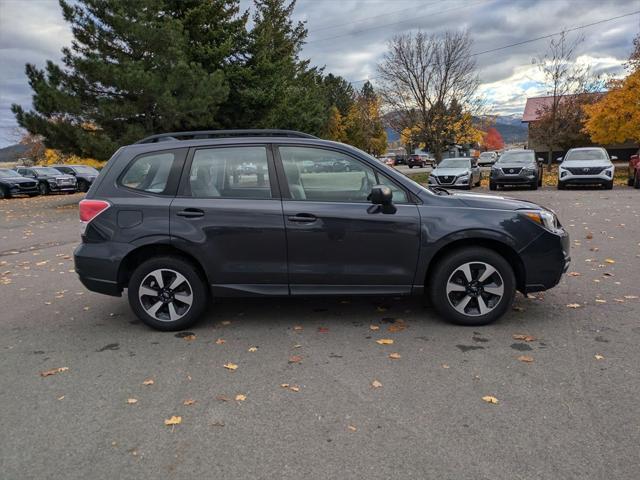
(475, 288)
(165, 295)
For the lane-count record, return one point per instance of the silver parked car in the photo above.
(459, 172)
(586, 166)
(487, 158)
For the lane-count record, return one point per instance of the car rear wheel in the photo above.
(492, 186)
(4, 193)
(44, 188)
(636, 180)
(167, 293)
(83, 186)
(472, 286)
(534, 186)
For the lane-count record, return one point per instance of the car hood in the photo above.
(16, 180)
(495, 202)
(449, 171)
(586, 163)
(514, 165)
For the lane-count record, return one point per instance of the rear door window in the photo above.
(230, 172)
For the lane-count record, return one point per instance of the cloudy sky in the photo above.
(348, 37)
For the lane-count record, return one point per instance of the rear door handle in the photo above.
(303, 218)
(191, 213)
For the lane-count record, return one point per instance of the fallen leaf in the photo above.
(609, 260)
(230, 366)
(490, 399)
(394, 356)
(323, 330)
(525, 337)
(525, 358)
(222, 398)
(226, 322)
(148, 381)
(599, 300)
(61, 397)
(220, 341)
(295, 358)
(253, 349)
(376, 384)
(284, 385)
(444, 365)
(385, 341)
(294, 388)
(352, 428)
(574, 305)
(574, 274)
(297, 328)
(374, 327)
(240, 397)
(189, 338)
(189, 402)
(53, 371)
(630, 297)
(174, 420)
(397, 327)
(132, 401)
(589, 236)
(597, 356)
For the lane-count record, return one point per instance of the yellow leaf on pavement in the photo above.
(240, 397)
(174, 420)
(610, 260)
(53, 371)
(597, 356)
(394, 356)
(374, 327)
(385, 341)
(525, 358)
(220, 341)
(230, 366)
(132, 401)
(376, 384)
(253, 349)
(148, 381)
(574, 305)
(188, 402)
(490, 399)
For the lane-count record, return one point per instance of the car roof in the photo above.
(582, 149)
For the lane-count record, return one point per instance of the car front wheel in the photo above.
(167, 293)
(472, 286)
(608, 185)
(636, 180)
(44, 188)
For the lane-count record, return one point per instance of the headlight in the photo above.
(609, 172)
(52, 182)
(543, 218)
(528, 171)
(432, 179)
(563, 173)
(463, 175)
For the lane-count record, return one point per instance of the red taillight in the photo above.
(90, 209)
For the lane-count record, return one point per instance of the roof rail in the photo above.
(195, 135)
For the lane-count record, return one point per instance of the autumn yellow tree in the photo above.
(615, 118)
(335, 129)
(363, 124)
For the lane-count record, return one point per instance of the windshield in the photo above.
(516, 157)
(46, 171)
(5, 172)
(454, 163)
(486, 154)
(586, 155)
(85, 169)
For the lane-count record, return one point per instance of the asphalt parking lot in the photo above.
(563, 366)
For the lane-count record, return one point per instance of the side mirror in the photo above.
(380, 195)
(559, 159)
(614, 158)
(540, 160)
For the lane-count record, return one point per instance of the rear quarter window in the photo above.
(153, 173)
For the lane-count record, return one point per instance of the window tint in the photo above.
(325, 176)
(232, 172)
(149, 173)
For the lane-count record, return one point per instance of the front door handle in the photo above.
(303, 218)
(191, 213)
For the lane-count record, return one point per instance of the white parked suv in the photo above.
(487, 158)
(586, 166)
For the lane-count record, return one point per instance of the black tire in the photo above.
(492, 186)
(446, 268)
(410, 166)
(44, 188)
(468, 187)
(561, 186)
(533, 186)
(4, 193)
(608, 185)
(83, 186)
(197, 285)
(636, 180)
(630, 182)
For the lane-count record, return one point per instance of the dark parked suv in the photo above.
(84, 174)
(178, 218)
(516, 168)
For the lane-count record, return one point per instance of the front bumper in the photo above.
(56, 187)
(545, 260)
(18, 190)
(513, 179)
(570, 179)
(458, 182)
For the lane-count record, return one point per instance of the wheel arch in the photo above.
(145, 252)
(500, 247)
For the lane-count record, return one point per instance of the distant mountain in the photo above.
(511, 128)
(13, 152)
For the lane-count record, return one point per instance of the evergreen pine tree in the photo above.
(133, 69)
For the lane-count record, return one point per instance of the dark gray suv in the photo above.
(516, 168)
(179, 218)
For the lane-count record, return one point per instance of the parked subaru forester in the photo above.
(177, 219)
